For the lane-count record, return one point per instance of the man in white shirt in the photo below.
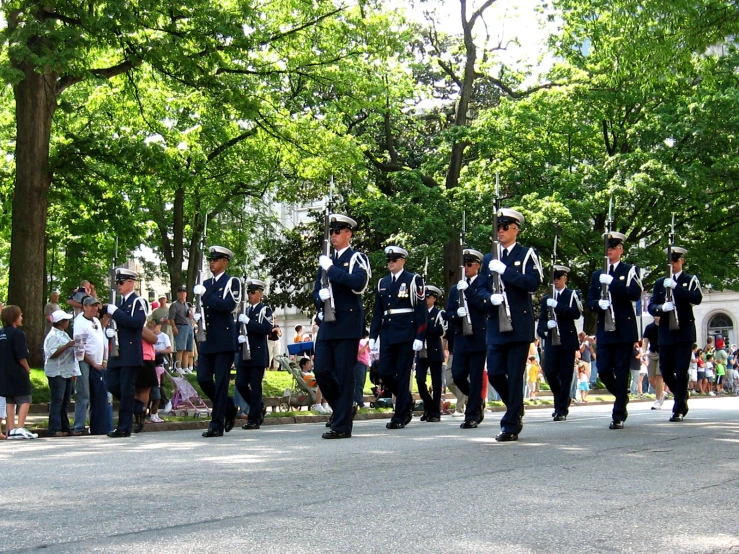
(90, 386)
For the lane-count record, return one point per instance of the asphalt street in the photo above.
(572, 487)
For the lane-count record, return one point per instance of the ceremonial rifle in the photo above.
(505, 322)
(114, 348)
(329, 313)
(671, 315)
(201, 278)
(466, 320)
(610, 323)
(552, 315)
(423, 353)
(245, 349)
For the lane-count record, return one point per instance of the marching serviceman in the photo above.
(675, 345)
(249, 373)
(431, 357)
(614, 348)
(468, 362)
(219, 296)
(348, 272)
(399, 321)
(130, 317)
(520, 271)
(559, 360)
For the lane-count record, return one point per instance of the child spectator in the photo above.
(583, 382)
(701, 371)
(533, 369)
(693, 369)
(720, 377)
(60, 367)
(162, 348)
(15, 374)
(710, 372)
(360, 369)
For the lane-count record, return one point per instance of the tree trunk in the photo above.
(35, 104)
(452, 273)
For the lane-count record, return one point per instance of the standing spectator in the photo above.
(15, 374)
(593, 362)
(650, 341)
(710, 372)
(360, 370)
(298, 334)
(162, 348)
(86, 288)
(161, 314)
(693, 369)
(586, 353)
(274, 344)
(60, 367)
(533, 370)
(582, 382)
(180, 319)
(701, 385)
(147, 378)
(635, 368)
(91, 370)
(51, 306)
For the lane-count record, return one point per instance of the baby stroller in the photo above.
(301, 393)
(185, 401)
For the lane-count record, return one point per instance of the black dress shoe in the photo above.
(423, 417)
(433, 419)
(505, 436)
(554, 414)
(469, 424)
(355, 409)
(138, 422)
(212, 433)
(336, 435)
(676, 417)
(330, 421)
(250, 426)
(616, 424)
(262, 415)
(408, 417)
(394, 425)
(117, 434)
(230, 420)
(560, 417)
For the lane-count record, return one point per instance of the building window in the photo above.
(721, 325)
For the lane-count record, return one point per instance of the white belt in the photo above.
(400, 311)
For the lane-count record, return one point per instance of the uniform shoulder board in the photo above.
(531, 254)
(360, 259)
(634, 276)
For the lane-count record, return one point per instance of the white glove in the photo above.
(551, 303)
(605, 279)
(196, 316)
(551, 324)
(417, 345)
(242, 339)
(462, 312)
(670, 283)
(111, 309)
(320, 316)
(243, 318)
(324, 294)
(497, 266)
(496, 299)
(668, 306)
(325, 262)
(110, 333)
(604, 304)
(198, 290)
(374, 345)
(462, 285)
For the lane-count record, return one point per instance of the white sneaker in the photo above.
(327, 408)
(318, 408)
(458, 414)
(657, 405)
(154, 418)
(167, 408)
(22, 433)
(712, 393)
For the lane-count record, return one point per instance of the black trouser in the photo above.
(121, 383)
(674, 362)
(467, 371)
(396, 362)
(506, 368)
(431, 405)
(614, 362)
(217, 364)
(559, 369)
(98, 402)
(249, 384)
(334, 371)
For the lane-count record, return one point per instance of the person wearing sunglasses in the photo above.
(348, 273)
(521, 274)
(560, 359)
(468, 361)
(130, 317)
(430, 359)
(259, 322)
(614, 348)
(399, 321)
(675, 346)
(220, 295)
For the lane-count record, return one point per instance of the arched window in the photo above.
(720, 324)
